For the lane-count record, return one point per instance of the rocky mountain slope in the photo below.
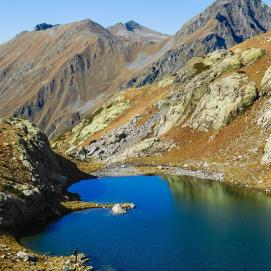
(213, 115)
(55, 74)
(222, 25)
(132, 31)
(32, 177)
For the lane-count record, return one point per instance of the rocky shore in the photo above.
(33, 190)
(150, 169)
(33, 179)
(15, 257)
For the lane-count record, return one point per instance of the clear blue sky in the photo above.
(166, 16)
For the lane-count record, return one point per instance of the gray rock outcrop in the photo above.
(33, 178)
(207, 94)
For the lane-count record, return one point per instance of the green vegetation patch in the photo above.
(200, 67)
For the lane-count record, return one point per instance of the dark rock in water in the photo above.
(43, 26)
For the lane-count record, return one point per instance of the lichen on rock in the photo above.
(32, 176)
(225, 99)
(252, 55)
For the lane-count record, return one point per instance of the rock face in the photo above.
(206, 98)
(266, 160)
(32, 176)
(205, 95)
(100, 119)
(266, 82)
(222, 25)
(224, 100)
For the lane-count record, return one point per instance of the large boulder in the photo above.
(225, 98)
(118, 209)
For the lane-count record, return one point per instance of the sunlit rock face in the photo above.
(32, 178)
(205, 95)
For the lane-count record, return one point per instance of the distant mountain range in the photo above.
(56, 74)
(220, 26)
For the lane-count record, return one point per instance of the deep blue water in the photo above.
(179, 224)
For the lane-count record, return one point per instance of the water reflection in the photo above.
(179, 224)
(195, 190)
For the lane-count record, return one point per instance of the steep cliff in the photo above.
(32, 177)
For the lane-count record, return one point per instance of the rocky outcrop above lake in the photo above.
(32, 177)
(207, 94)
(212, 115)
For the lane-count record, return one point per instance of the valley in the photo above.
(90, 116)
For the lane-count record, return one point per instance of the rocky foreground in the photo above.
(33, 179)
(33, 182)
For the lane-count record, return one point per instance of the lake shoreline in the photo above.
(10, 244)
(11, 241)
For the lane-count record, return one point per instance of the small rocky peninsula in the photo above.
(33, 190)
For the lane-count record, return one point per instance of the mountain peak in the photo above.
(134, 31)
(132, 25)
(43, 26)
(243, 18)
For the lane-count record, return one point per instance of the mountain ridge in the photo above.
(132, 30)
(62, 71)
(59, 74)
(220, 26)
